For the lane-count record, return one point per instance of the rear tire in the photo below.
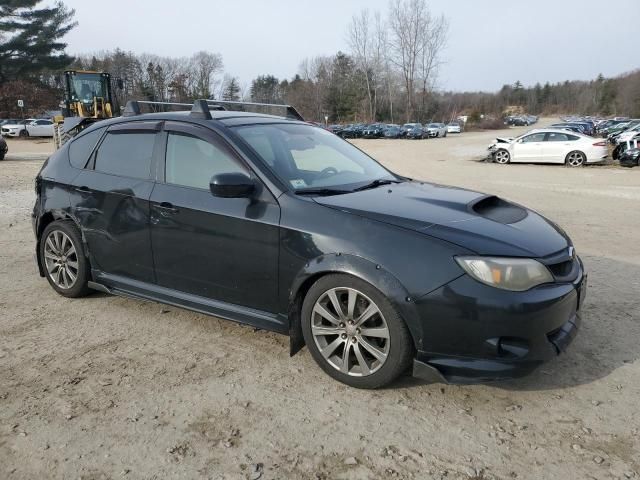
(367, 331)
(63, 259)
(502, 156)
(575, 159)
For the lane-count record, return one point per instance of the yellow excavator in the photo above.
(88, 98)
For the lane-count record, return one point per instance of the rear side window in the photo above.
(557, 137)
(81, 147)
(191, 162)
(126, 154)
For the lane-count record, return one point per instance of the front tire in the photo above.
(24, 133)
(575, 159)
(63, 259)
(502, 156)
(354, 333)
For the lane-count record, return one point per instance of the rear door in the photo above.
(528, 148)
(110, 198)
(556, 146)
(222, 249)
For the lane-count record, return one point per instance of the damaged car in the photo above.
(549, 146)
(278, 224)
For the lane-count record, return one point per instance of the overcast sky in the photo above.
(490, 42)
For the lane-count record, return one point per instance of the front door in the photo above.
(528, 148)
(223, 249)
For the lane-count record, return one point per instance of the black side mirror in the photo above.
(232, 185)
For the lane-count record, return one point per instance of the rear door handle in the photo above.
(166, 208)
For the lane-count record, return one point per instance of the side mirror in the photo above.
(232, 185)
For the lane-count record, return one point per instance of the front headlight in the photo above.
(516, 274)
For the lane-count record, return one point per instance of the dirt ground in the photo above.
(108, 387)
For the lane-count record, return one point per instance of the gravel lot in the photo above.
(108, 387)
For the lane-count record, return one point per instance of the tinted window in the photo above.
(43, 122)
(192, 162)
(126, 154)
(536, 137)
(82, 146)
(557, 137)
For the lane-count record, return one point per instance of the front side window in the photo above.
(303, 156)
(191, 161)
(126, 154)
(536, 137)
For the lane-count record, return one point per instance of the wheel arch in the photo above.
(45, 220)
(358, 267)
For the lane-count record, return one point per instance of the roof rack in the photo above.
(202, 108)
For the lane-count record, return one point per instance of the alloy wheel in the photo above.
(61, 259)
(502, 156)
(575, 159)
(350, 331)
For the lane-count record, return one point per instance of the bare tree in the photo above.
(413, 31)
(205, 66)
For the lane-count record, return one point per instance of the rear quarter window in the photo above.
(81, 148)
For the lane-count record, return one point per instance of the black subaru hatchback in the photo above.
(272, 222)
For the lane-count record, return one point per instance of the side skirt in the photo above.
(127, 287)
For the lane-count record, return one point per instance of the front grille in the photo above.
(564, 265)
(562, 269)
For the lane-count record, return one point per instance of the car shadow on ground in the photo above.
(608, 339)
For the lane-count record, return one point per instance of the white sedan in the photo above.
(549, 146)
(454, 127)
(30, 128)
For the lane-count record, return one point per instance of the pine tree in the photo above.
(231, 91)
(30, 38)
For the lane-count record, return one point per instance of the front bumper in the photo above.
(475, 333)
(11, 133)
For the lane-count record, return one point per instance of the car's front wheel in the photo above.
(502, 156)
(354, 333)
(575, 159)
(65, 264)
(24, 133)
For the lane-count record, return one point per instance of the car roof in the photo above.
(553, 130)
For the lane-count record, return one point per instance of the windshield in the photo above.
(309, 157)
(86, 86)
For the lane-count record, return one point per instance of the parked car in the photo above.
(353, 131)
(196, 211)
(375, 130)
(336, 129)
(630, 157)
(627, 134)
(409, 126)
(16, 129)
(3, 148)
(549, 146)
(393, 132)
(570, 128)
(31, 128)
(436, 129)
(415, 133)
(454, 127)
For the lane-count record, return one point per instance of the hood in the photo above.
(484, 224)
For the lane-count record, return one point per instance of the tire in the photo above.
(575, 159)
(24, 133)
(373, 361)
(70, 280)
(502, 156)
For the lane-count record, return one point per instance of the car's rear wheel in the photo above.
(575, 159)
(63, 258)
(502, 156)
(354, 333)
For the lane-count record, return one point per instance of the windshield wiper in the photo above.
(321, 191)
(376, 183)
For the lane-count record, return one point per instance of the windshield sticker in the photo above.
(298, 183)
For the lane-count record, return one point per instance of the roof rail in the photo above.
(290, 112)
(202, 108)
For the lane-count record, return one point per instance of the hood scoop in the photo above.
(498, 210)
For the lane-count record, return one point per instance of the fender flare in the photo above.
(58, 214)
(359, 267)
